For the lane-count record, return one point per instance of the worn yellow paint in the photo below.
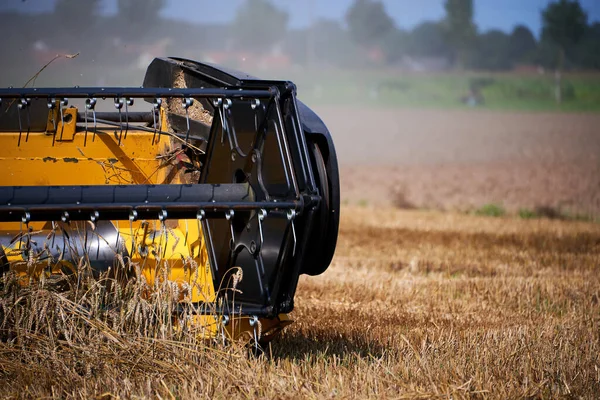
(66, 125)
(101, 161)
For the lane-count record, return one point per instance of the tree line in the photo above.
(567, 39)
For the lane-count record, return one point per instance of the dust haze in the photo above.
(419, 118)
(468, 252)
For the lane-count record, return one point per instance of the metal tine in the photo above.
(262, 213)
(63, 103)
(226, 115)
(118, 106)
(231, 135)
(255, 104)
(255, 323)
(24, 103)
(133, 216)
(199, 217)
(28, 103)
(94, 218)
(224, 322)
(143, 250)
(156, 109)
(164, 232)
(128, 102)
(157, 128)
(29, 252)
(24, 220)
(162, 217)
(291, 215)
(153, 232)
(19, 107)
(85, 242)
(118, 237)
(90, 104)
(51, 107)
(220, 328)
(95, 123)
(154, 124)
(187, 103)
(224, 112)
(218, 103)
(185, 240)
(54, 227)
(65, 219)
(229, 215)
(86, 125)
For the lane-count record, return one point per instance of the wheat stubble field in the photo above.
(445, 305)
(417, 304)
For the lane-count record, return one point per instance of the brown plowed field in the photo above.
(462, 159)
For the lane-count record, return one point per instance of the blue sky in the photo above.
(489, 14)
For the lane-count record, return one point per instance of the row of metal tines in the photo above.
(121, 104)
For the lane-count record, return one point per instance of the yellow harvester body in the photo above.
(217, 187)
(178, 253)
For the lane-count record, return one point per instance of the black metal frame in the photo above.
(257, 198)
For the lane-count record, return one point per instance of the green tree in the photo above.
(368, 22)
(258, 26)
(428, 39)
(396, 44)
(493, 51)
(461, 30)
(564, 23)
(332, 43)
(522, 45)
(587, 52)
(138, 16)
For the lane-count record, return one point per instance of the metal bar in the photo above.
(134, 92)
(134, 116)
(285, 152)
(302, 146)
(289, 282)
(210, 249)
(144, 129)
(122, 212)
(238, 309)
(111, 202)
(85, 194)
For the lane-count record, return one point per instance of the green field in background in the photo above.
(500, 91)
(581, 93)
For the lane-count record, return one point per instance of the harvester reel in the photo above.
(220, 176)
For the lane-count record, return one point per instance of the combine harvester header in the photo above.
(205, 177)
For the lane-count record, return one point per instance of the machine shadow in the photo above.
(294, 345)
